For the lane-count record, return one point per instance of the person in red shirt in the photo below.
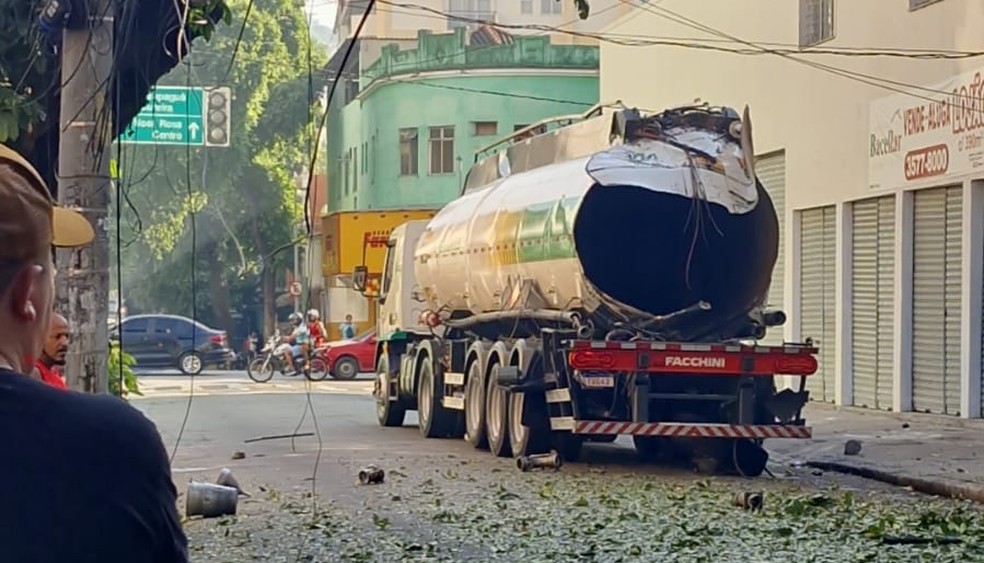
(53, 353)
(316, 328)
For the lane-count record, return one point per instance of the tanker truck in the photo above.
(606, 276)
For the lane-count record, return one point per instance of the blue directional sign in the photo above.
(173, 115)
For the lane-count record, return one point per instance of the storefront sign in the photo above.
(934, 133)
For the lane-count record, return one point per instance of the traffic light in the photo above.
(218, 105)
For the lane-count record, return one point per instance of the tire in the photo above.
(523, 439)
(568, 445)
(260, 370)
(475, 407)
(318, 370)
(435, 420)
(190, 363)
(389, 413)
(346, 368)
(651, 448)
(497, 416)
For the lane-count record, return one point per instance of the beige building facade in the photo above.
(869, 134)
(402, 19)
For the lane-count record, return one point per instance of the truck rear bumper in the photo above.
(680, 430)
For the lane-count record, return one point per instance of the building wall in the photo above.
(404, 22)
(520, 84)
(839, 152)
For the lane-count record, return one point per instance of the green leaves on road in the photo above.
(484, 516)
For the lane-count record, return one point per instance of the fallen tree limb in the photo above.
(923, 485)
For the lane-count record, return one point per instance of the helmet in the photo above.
(313, 314)
(295, 318)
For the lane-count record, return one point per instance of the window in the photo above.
(484, 128)
(442, 150)
(365, 157)
(526, 6)
(916, 4)
(518, 127)
(408, 152)
(551, 7)
(355, 169)
(816, 20)
(135, 326)
(389, 264)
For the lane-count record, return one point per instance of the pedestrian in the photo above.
(347, 328)
(52, 359)
(83, 478)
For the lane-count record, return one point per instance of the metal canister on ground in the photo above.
(210, 500)
(551, 460)
(371, 475)
(749, 500)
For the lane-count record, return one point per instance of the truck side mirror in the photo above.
(359, 276)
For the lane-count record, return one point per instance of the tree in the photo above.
(242, 197)
(30, 67)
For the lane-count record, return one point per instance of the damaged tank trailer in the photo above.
(599, 279)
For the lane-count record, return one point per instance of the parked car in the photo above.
(348, 358)
(172, 341)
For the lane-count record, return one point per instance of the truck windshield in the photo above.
(387, 269)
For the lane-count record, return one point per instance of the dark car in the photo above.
(172, 341)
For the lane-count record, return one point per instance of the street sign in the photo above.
(175, 115)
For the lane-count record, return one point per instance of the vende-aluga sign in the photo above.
(914, 139)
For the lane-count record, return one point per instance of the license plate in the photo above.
(598, 382)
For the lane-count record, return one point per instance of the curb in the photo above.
(928, 486)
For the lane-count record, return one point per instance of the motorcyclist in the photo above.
(295, 344)
(316, 328)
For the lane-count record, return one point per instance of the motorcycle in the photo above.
(267, 363)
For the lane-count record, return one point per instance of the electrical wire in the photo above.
(194, 265)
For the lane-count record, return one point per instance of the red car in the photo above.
(348, 358)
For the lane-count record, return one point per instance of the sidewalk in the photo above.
(932, 453)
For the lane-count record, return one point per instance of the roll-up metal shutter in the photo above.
(771, 171)
(936, 300)
(817, 298)
(872, 301)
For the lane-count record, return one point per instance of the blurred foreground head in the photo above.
(30, 226)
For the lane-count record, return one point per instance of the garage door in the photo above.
(771, 171)
(936, 300)
(872, 301)
(817, 299)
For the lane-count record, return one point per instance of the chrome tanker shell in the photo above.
(644, 228)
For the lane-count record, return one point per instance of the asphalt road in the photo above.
(444, 501)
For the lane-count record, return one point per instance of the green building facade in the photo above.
(406, 133)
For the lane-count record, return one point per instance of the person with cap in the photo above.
(82, 477)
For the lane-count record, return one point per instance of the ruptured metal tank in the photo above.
(667, 215)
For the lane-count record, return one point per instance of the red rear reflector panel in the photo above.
(697, 359)
(680, 430)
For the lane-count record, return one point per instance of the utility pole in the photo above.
(85, 141)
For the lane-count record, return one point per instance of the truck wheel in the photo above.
(497, 416)
(388, 412)
(435, 420)
(651, 448)
(568, 445)
(533, 439)
(475, 407)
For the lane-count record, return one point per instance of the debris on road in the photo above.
(210, 500)
(227, 479)
(278, 437)
(749, 500)
(539, 461)
(238, 455)
(852, 447)
(371, 475)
